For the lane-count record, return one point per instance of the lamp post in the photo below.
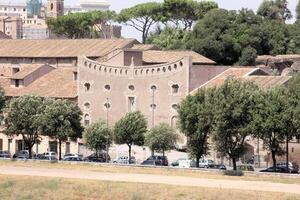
(107, 109)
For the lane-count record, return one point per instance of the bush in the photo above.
(233, 173)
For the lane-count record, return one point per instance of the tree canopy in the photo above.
(161, 138)
(130, 130)
(24, 117)
(80, 25)
(196, 121)
(298, 11)
(98, 136)
(275, 9)
(61, 120)
(141, 17)
(234, 105)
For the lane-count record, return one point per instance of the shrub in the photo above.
(233, 173)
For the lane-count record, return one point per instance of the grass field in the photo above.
(164, 171)
(36, 188)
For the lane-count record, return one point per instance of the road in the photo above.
(153, 179)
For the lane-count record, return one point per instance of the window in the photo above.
(17, 83)
(175, 89)
(153, 88)
(173, 121)
(175, 106)
(107, 105)
(87, 105)
(153, 106)
(131, 87)
(87, 87)
(51, 6)
(86, 120)
(68, 149)
(75, 76)
(107, 87)
(131, 104)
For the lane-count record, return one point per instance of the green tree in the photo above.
(233, 116)
(169, 38)
(248, 57)
(271, 121)
(130, 130)
(275, 9)
(161, 138)
(141, 17)
(298, 11)
(196, 116)
(61, 120)
(23, 117)
(183, 13)
(98, 137)
(80, 25)
(294, 42)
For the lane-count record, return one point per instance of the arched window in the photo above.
(173, 121)
(51, 6)
(86, 120)
(175, 106)
(153, 106)
(107, 105)
(87, 87)
(153, 88)
(87, 105)
(131, 87)
(175, 88)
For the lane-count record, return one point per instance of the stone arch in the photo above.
(87, 119)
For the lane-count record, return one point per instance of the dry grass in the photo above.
(35, 188)
(160, 171)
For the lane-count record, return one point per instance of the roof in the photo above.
(25, 71)
(61, 48)
(155, 56)
(266, 82)
(231, 72)
(145, 47)
(58, 83)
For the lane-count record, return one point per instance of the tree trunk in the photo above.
(234, 163)
(129, 154)
(197, 161)
(152, 152)
(287, 153)
(30, 151)
(59, 146)
(274, 160)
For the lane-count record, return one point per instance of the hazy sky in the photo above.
(117, 5)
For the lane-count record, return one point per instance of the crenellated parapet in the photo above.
(135, 71)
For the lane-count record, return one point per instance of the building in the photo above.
(13, 10)
(11, 26)
(4, 36)
(88, 5)
(108, 78)
(55, 8)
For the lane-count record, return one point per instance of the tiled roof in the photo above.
(61, 48)
(25, 71)
(145, 47)
(58, 83)
(266, 82)
(154, 56)
(235, 73)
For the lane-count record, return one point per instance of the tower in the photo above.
(55, 8)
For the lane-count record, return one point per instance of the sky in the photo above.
(128, 32)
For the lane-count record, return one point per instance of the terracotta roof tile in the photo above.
(25, 71)
(266, 82)
(58, 83)
(145, 47)
(154, 56)
(62, 48)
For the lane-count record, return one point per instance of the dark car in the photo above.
(94, 158)
(156, 160)
(5, 154)
(73, 159)
(281, 168)
(23, 154)
(219, 167)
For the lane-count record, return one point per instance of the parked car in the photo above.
(94, 158)
(176, 162)
(187, 163)
(292, 167)
(5, 154)
(219, 167)
(124, 160)
(156, 160)
(205, 163)
(50, 155)
(23, 154)
(71, 155)
(73, 159)
(245, 167)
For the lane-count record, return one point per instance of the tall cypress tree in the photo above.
(298, 11)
